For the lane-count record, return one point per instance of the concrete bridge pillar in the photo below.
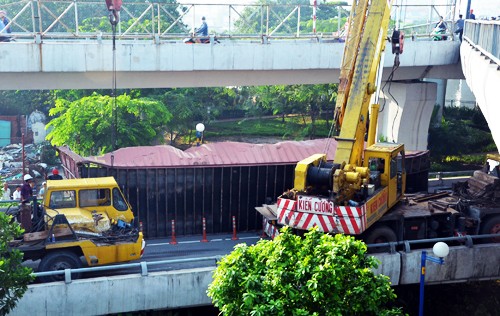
(442, 86)
(405, 113)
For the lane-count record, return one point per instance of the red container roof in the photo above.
(212, 154)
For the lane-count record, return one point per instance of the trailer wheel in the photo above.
(491, 226)
(59, 260)
(380, 234)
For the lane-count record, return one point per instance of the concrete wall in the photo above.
(144, 64)
(184, 288)
(117, 294)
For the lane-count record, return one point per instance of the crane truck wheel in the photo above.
(491, 226)
(380, 234)
(59, 260)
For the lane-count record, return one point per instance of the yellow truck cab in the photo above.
(83, 201)
(77, 218)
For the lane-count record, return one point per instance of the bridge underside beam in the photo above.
(198, 78)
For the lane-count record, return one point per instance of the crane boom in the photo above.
(366, 43)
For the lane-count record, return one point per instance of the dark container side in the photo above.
(187, 195)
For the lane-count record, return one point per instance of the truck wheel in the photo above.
(380, 234)
(59, 260)
(491, 226)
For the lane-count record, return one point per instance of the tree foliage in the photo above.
(282, 19)
(23, 102)
(14, 277)
(318, 275)
(86, 125)
(306, 100)
(463, 126)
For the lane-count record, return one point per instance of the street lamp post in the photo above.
(441, 250)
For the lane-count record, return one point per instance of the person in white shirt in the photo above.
(41, 193)
(17, 194)
(6, 192)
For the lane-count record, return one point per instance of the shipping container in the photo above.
(214, 181)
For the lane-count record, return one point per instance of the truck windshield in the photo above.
(118, 200)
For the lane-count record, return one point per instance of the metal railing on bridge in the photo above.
(40, 19)
(391, 247)
(484, 36)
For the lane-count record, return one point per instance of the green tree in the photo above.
(306, 100)
(283, 22)
(23, 102)
(86, 125)
(191, 106)
(135, 17)
(317, 275)
(14, 277)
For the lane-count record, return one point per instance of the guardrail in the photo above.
(40, 19)
(450, 174)
(390, 247)
(485, 37)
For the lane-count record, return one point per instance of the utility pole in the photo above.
(467, 13)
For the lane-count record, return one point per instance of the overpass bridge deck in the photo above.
(172, 286)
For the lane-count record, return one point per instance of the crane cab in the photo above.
(386, 164)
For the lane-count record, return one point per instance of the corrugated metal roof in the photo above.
(212, 154)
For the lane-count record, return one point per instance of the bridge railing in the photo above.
(485, 36)
(55, 19)
(406, 246)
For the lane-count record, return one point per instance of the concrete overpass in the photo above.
(65, 64)
(146, 64)
(480, 59)
(187, 288)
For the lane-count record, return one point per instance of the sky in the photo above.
(217, 11)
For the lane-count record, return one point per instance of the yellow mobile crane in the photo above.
(362, 192)
(354, 191)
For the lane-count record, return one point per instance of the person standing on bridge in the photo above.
(472, 16)
(460, 27)
(3, 31)
(203, 29)
(5, 21)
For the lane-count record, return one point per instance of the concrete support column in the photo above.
(405, 113)
(442, 85)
